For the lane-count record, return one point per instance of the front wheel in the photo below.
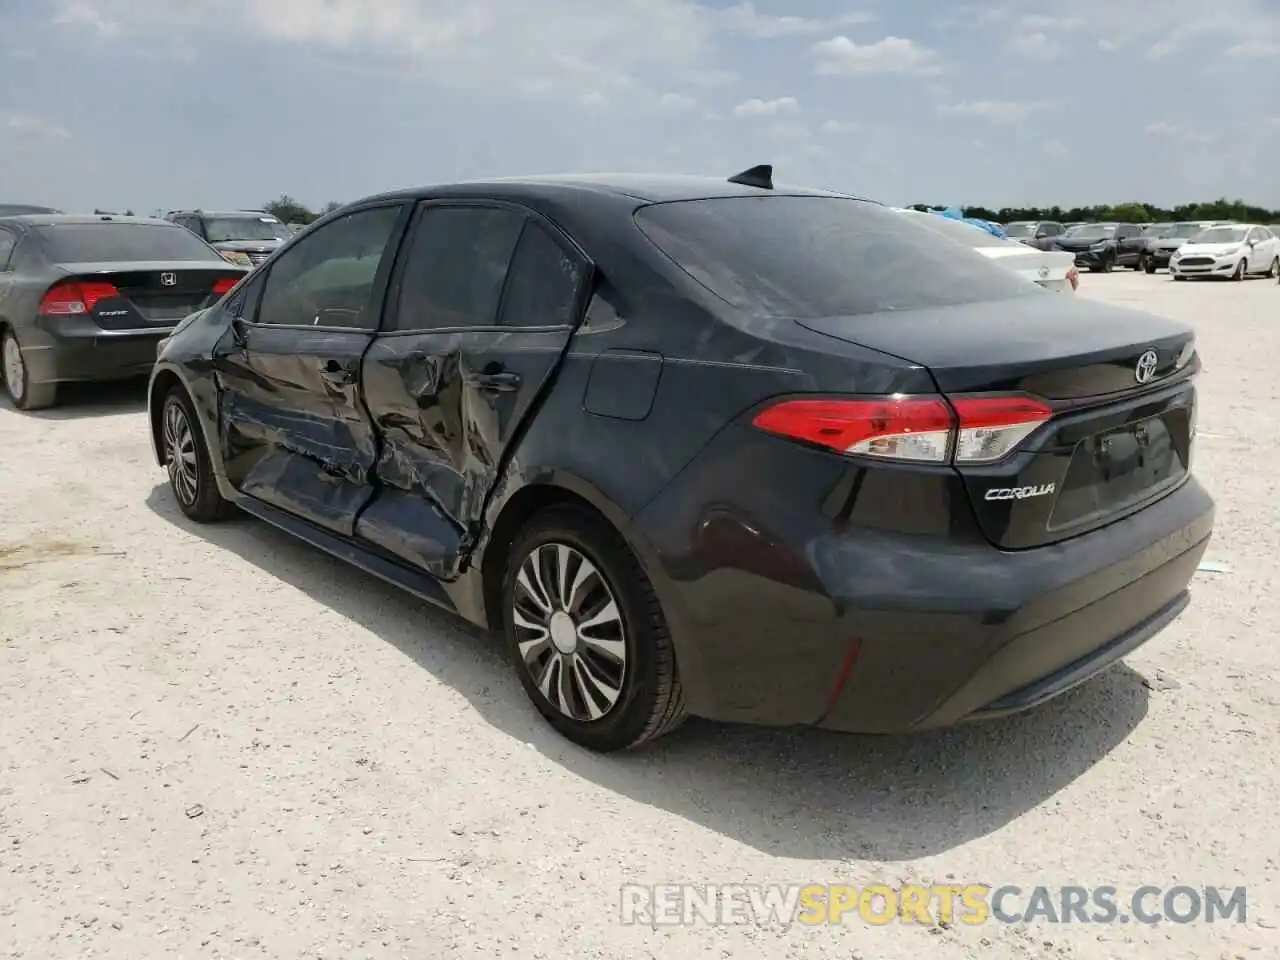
(1149, 267)
(588, 634)
(187, 460)
(1274, 270)
(1241, 269)
(1108, 265)
(24, 394)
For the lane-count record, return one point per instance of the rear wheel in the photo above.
(589, 637)
(187, 460)
(24, 394)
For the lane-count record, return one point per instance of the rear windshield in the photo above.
(809, 257)
(223, 229)
(961, 232)
(107, 241)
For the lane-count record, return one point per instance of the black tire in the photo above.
(1108, 265)
(196, 491)
(1149, 267)
(24, 394)
(650, 700)
(1241, 270)
(1273, 272)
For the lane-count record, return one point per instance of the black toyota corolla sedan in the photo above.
(709, 447)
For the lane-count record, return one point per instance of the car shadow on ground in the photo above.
(803, 794)
(77, 401)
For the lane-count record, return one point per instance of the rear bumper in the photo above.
(875, 631)
(74, 348)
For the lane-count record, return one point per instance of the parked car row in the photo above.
(1187, 249)
(693, 446)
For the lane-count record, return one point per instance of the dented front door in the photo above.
(295, 429)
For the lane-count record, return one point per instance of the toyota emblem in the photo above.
(168, 279)
(1146, 367)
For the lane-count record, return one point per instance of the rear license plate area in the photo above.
(1113, 470)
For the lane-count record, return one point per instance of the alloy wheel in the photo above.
(15, 371)
(569, 632)
(180, 450)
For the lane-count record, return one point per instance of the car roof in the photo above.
(647, 188)
(57, 219)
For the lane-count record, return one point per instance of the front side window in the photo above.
(455, 266)
(327, 278)
(810, 257)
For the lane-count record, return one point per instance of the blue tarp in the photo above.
(951, 213)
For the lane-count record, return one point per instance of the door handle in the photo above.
(499, 381)
(338, 372)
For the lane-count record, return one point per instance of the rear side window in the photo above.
(544, 282)
(455, 267)
(7, 241)
(107, 241)
(810, 257)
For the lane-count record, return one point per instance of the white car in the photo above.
(1236, 250)
(1052, 269)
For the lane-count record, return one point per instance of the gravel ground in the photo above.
(218, 742)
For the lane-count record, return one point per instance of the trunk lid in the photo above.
(1115, 443)
(1049, 268)
(151, 293)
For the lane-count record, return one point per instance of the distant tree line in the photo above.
(1222, 209)
(289, 210)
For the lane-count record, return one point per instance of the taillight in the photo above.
(67, 299)
(968, 430)
(990, 427)
(897, 428)
(224, 285)
(1073, 278)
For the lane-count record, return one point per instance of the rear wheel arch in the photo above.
(525, 504)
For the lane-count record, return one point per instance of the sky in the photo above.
(230, 103)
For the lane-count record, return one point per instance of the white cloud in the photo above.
(1055, 150)
(677, 102)
(755, 107)
(1256, 47)
(1160, 29)
(1035, 46)
(840, 55)
(1170, 130)
(995, 111)
(556, 46)
(29, 129)
(745, 19)
(838, 126)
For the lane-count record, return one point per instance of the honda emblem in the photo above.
(168, 279)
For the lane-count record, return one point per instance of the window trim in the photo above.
(17, 239)
(381, 284)
(558, 236)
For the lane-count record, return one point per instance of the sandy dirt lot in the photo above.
(218, 742)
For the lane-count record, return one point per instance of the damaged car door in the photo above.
(295, 431)
(483, 302)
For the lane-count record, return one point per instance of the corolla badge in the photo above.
(1146, 367)
(1020, 493)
